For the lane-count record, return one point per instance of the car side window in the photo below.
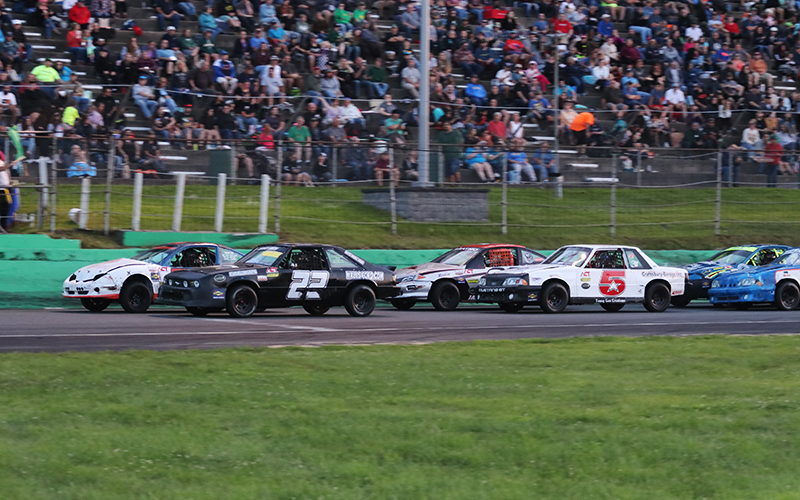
(339, 261)
(227, 256)
(529, 257)
(308, 259)
(499, 257)
(635, 261)
(194, 257)
(607, 259)
(764, 257)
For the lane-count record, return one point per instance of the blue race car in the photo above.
(702, 274)
(776, 283)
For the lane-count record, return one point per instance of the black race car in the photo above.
(316, 277)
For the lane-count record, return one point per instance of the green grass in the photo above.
(666, 418)
(651, 218)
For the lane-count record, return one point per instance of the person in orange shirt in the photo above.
(580, 128)
(759, 66)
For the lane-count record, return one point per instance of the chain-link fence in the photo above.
(357, 190)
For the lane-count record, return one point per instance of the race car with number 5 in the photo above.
(316, 277)
(611, 276)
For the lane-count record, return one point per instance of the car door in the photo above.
(637, 278)
(604, 276)
(303, 274)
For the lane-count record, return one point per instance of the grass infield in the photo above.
(665, 219)
(705, 417)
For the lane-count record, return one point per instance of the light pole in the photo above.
(424, 95)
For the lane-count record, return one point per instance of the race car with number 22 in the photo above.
(316, 277)
(611, 276)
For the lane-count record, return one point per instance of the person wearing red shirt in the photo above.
(497, 129)
(562, 27)
(75, 44)
(774, 151)
(513, 47)
(79, 13)
(731, 29)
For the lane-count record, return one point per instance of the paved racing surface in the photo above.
(161, 329)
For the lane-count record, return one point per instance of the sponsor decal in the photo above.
(219, 278)
(272, 275)
(491, 290)
(217, 294)
(364, 275)
(271, 253)
(245, 272)
(586, 286)
(612, 283)
(532, 296)
(355, 257)
(586, 276)
(154, 276)
(164, 269)
(469, 271)
(609, 301)
(262, 278)
(662, 274)
(706, 284)
(271, 270)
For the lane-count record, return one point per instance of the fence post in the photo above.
(86, 188)
(504, 202)
(219, 214)
(138, 179)
(278, 189)
(638, 169)
(440, 162)
(109, 182)
(43, 194)
(264, 208)
(392, 197)
(53, 177)
(612, 216)
(718, 214)
(335, 165)
(177, 215)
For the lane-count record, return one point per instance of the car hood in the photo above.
(711, 268)
(763, 271)
(428, 268)
(87, 273)
(208, 271)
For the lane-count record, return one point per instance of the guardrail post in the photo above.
(109, 182)
(335, 164)
(219, 213)
(392, 197)
(718, 210)
(43, 194)
(53, 181)
(264, 208)
(558, 191)
(177, 215)
(504, 202)
(138, 179)
(86, 188)
(639, 169)
(278, 189)
(440, 163)
(612, 218)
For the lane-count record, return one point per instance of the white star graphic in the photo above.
(613, 286)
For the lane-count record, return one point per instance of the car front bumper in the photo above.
(192, 297)
(417, 290)
(503, 294)
(89, 290)
(734, 294)
(697, 288)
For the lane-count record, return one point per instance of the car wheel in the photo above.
(613, 306)
(787, 296)
(241, 301)
(360, 301)
(742, 306)
(403, 304)
(136, 297)
(656, 297)
(680, 301)
(316, 309)
(511, 307)
(445, 296)
(95, 305)
(554, 298)
(199, 311)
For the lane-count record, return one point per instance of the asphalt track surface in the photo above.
(165, 329)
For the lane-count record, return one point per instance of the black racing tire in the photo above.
(136, 297)
(787, 296)
(316, 309)
(511, 307)
(403, 304)
(95, 305)
(613, 306)
(445, 296)
(656, 297)
(199, 311)
(360, 301)
(680, 301)
(241, 301)
(742, 306)
(554, 298)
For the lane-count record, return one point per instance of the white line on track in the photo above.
(279, 325)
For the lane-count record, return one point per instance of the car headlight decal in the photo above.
(746, 282)
(515, 282)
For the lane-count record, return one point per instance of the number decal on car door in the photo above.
(306, 279)
(612, 283)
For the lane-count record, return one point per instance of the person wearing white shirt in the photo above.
(601, 73)
(353, 114)
(676, 98)
(504, 77)
(694, 32)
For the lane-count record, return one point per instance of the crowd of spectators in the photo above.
(665, 74)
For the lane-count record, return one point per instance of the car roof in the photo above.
(595, 247)
(753, 248)
(492, 245)
(167, 246)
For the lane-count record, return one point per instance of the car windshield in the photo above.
(265, 256)
(457, 257)
(731, 256)
(153, 256)
(789, 259)
(569, 256)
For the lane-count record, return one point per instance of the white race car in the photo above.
(135, 282)
(609, 275)
(452, 277)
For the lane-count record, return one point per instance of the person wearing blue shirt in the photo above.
(518, 164)
(225, 73)
(267, 13)
(544, 162)
(276, 33)
(541, 25)
(476, 92)
(257, 39)
(539, 108)
(605, 27)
